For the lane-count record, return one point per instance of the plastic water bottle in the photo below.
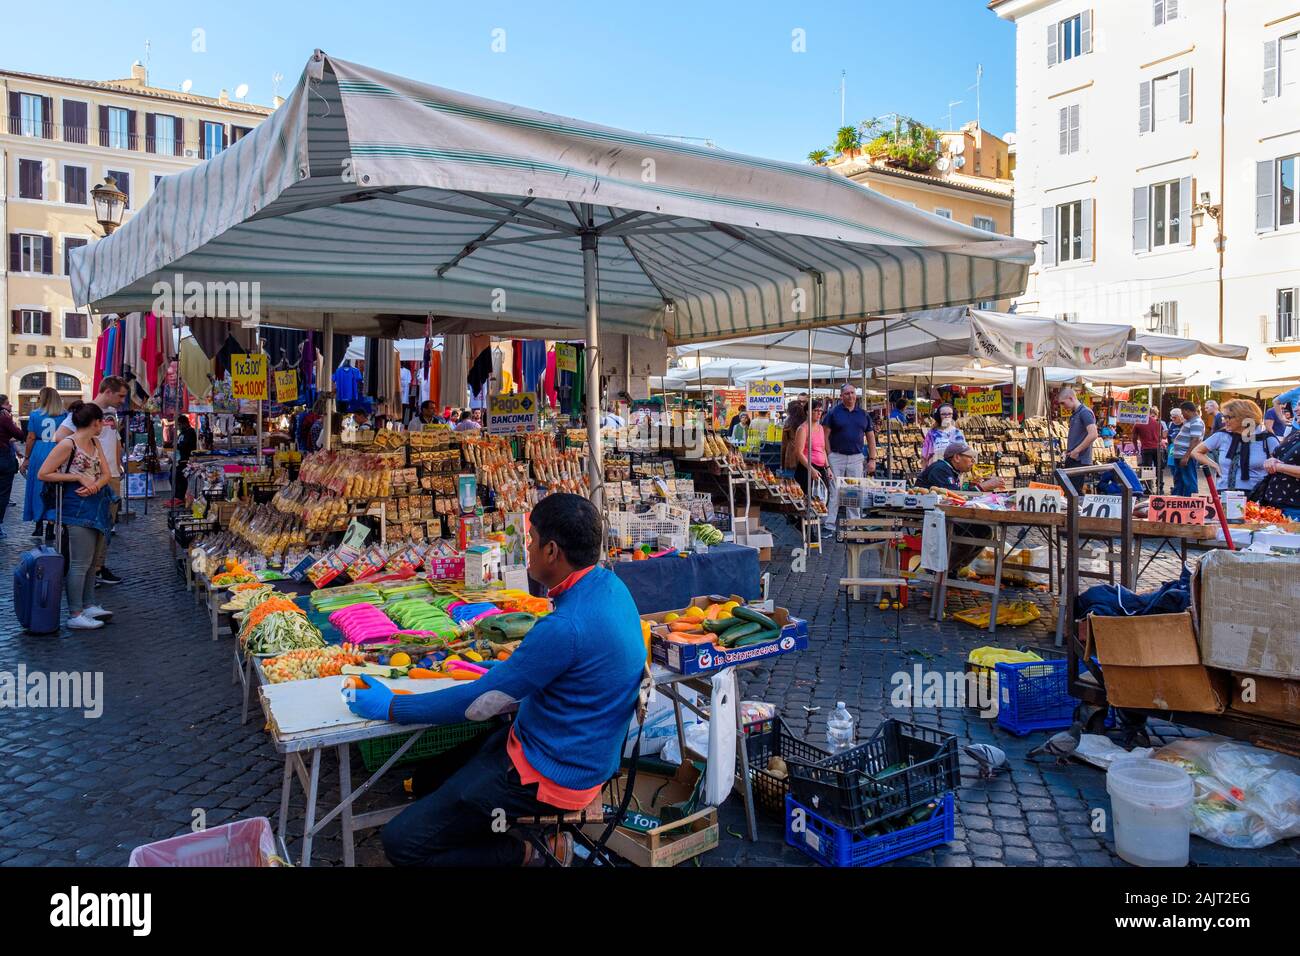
(839, 729)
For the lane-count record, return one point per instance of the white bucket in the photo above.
(1151, 809)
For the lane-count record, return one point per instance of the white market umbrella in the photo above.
(368, 202)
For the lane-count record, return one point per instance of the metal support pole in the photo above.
(257, 348)
(889, 446)
(590, 294)
(327, 350)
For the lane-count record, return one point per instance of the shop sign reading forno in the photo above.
(512, 414)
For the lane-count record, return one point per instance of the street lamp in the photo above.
(110, 203)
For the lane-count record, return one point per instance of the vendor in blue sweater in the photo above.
(574, 683)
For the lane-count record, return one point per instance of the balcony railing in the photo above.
(104, 138)
(1287, 327)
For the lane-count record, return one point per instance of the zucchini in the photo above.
(718, 625)
(759, 637)
(749, 614)
(729, 638)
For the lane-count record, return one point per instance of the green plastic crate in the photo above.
(433, 741)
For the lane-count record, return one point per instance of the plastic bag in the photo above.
(1010, 614)
(988, 655)
(1246, 797)
(661, 726)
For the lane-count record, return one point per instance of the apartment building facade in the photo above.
(59, 138)
(1156, 163)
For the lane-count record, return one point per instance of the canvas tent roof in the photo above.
(380, 200)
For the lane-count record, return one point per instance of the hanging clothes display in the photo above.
(569, 385)
(455, 366)
(133, 333)
(480, 373)
(431, 386)
(530, 363)
(347, 384)
(151, 353)
(196, 370)
(548, 380)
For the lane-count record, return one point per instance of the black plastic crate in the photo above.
(770, 789)
(901, 767)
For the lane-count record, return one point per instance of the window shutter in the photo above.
(1171, 10)
(103, 126)
(47, 117)
(1265, 212)
(1085, 230)
(1049, 235)
(1141, 219)
(1185, 194)
(15, 322)
(1185, 95)
(47, 323)
(1065, 130)
(1158, 12)
(16, 112)
(1270, 69)
(1085, 31)
(47, 255)
(15, 252)
(131, 135)
(74, 121)
(225, 139)
(150, 132)
(1074, 128)
(1052, 30)
(178, 125)
(1144, 107)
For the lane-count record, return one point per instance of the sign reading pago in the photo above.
(512, 414)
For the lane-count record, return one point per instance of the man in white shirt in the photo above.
(112, 393)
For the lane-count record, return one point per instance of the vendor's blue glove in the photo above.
(372, 702)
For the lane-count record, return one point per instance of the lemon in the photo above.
(671, 616)
(400, 659)
(695, 613)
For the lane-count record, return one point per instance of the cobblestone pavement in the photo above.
(76, 790)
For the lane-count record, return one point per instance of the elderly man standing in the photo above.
(849, 429)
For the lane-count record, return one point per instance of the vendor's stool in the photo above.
(883, 536)
(535, 830)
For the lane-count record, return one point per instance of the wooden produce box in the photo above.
(670, 843)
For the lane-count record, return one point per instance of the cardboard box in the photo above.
(685, 658)
(669, 843)
(1249, 606)
(1274, 698)
(1152, 662)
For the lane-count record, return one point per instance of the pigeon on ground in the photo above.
(1061, 745)
(991, 760)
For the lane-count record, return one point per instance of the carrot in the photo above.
(355, 683)
(421, 673)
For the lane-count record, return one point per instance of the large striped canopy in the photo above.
(383, 200)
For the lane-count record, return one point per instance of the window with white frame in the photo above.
(214, 139)
(1164, 214)
(1287, 328)
(74, 325)
(1275, 193)
(1164, 318)
(30, 322)
(1068, 232)
(164, 134)
(1163, 11)
(945, 213)
(32, 115)
(1067, 316)
(985, 223)
(1282, 66)
(31, 254)
(1165, 101)
(1068, 129)
(1069, 38)
(119, 128)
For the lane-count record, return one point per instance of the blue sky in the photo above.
(724, 71)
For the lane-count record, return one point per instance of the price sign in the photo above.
(765, 397)
(984, 403)
(566, 357)
(512, 414)
(1101, 506)
(959, 405)
(1133, 413)
(1038, 501)
(248, 377)
(286, 386)
(1039, 484)
(1171, 509)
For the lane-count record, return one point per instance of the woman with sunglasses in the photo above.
(1243, 446)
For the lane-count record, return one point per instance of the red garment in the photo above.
(568, 582)
(98, 371)
(1148, 434)
(151, 352)
(549, 385)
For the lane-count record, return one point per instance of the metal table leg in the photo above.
(345, 791)
(309, 825)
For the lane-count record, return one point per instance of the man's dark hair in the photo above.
(1188, 408)
(573, 523)
(901, 404)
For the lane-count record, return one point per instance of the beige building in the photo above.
(59, 139)
(970, 183)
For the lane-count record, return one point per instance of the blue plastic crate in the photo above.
(1034, 695)
(832, 845)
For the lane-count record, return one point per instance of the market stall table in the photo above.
(661, 584)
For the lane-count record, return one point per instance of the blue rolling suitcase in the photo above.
(38, 586)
